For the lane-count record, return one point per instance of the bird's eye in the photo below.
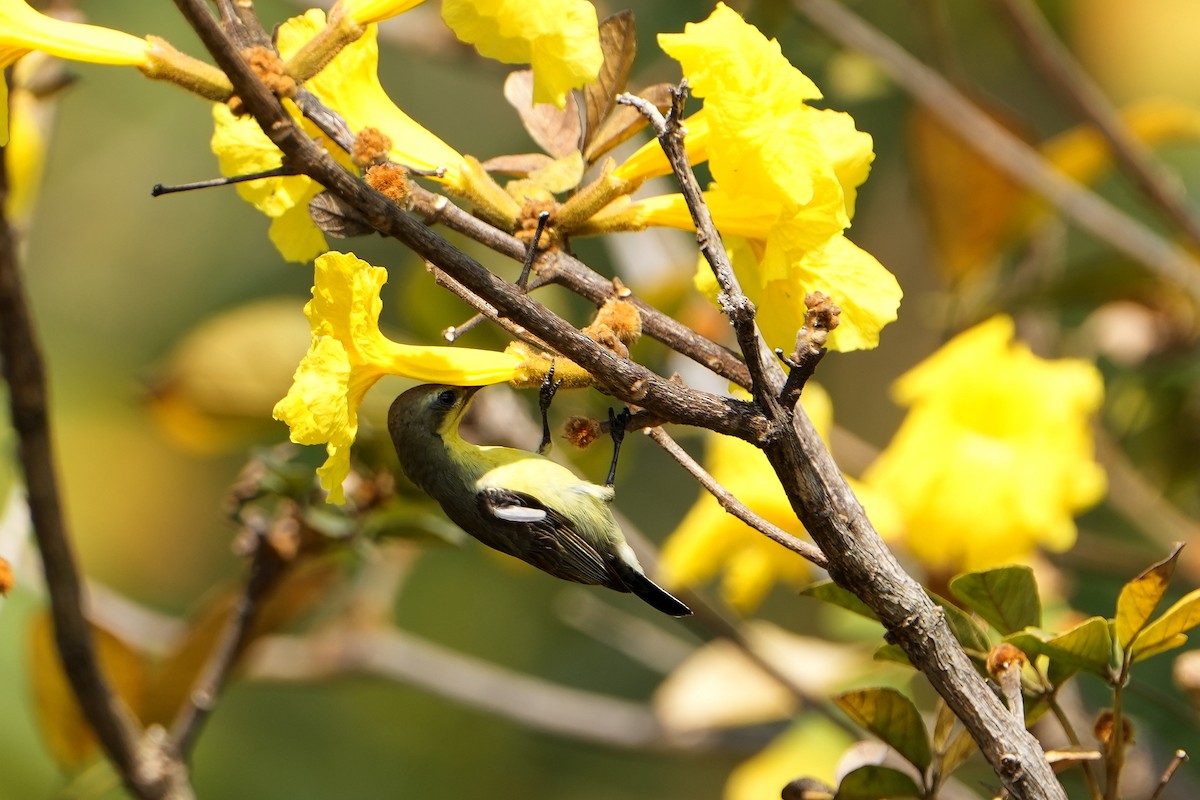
(446, 398)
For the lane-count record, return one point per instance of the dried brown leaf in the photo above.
(518, 165)
(68, 736)
(336, 218)
(625, 121)
(618, 42)
(293, 596)
(557, 131)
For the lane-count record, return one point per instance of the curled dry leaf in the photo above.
(557, 131)
(618, 42)
(337, 219)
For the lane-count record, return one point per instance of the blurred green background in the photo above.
(117, 278)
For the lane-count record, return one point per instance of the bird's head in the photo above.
(429, 409)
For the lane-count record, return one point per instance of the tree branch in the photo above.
(147, 773)
(857, 558)
(805, 550)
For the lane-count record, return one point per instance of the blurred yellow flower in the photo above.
(812, 747)
(22, 29)
(786, 177)
(995, 455)
(30, 118)
(709, 540)
(559, 39)
(349, 353)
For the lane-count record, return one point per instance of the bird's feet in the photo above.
(545, 397)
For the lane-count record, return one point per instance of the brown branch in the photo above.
(858, 560)
(1077, 89)
(266, 566)
(1017, 159)
(805, 550)
(557, 267)
(535, 703)
(146, 773)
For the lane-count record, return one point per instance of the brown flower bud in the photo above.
(266, 64)
(371, 146)
(1103, 729)
(6, 576)
(390, 181)
(1002, 658)
(581, 431)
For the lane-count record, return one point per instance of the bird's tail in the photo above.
(636, 581)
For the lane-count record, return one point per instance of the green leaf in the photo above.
(1058, 672)
(1087, 646)
(892, 653)
(1166, 632)
(877, 783)
(893, 718)
(1007, 597)
(829, 592)
(1141, 596)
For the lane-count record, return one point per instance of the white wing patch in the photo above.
(518, 513)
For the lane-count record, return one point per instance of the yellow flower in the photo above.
(995, 455)
(349, 354)
(350, 85)
(709, 540)
(560, 39)
(22, 29)
(786, 178)
(241, 149)
(365, 12)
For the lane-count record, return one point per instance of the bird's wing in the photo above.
(548, 540)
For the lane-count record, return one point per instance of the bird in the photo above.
(516, 501)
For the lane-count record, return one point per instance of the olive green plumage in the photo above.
(516, 501)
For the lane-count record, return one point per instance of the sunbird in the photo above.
(518, 502)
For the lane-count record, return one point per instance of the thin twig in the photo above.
(1180, 757)
(1017, 159)
(532, 702)
(115, 727)
(1077, 89)
(563, 269)
(806, 550)
(766, 376)
(266, 566)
